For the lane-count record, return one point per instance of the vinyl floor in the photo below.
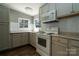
(26, 50)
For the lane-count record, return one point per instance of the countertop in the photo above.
(23, 32)
(68, 37)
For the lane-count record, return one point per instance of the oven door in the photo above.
(43, 43)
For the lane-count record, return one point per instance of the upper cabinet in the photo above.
(63, 9)
(52, 11)
(4, 14)
(52, 6)
(48, 12)
(46, 8)
(75, 7)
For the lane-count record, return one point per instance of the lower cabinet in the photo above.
(65, 46)
(16, 41)
(58, 49)
(33, 39)
(4, 36)
(24, 38)
(74, 47)
(19, 39)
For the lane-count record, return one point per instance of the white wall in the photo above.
(14, 25)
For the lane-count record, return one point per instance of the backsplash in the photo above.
(69, 24)
(70, 34)
(50, 26)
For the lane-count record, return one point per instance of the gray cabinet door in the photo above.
(63, 9)
(4, 14)
(24, 38)
(52, 6)
(16, 40)
(4, 36)
(20, 39)
(30, 36)
(73, 51)
(16, 43)
(74, 47)
(75, 7)
(46, 8)
(33, 39)
(59, 50)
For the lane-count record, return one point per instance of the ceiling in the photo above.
(21, 7)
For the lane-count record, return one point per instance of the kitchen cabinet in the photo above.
(52, 6)
(4, 36)
(40, 11)
(4, 28)
(73, 51)
(59, 47)
(45, 8)
(16, 41)
(49, 13)
(63, 9)
(65, 46)
(19, 39)
(59, 50)
(75, 7)
(74, 47)
(4, 14)
(24, 38)
(43, 11)
(33, 38)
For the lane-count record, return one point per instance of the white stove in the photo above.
(43, 44)
(44, 41)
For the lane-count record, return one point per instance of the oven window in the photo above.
(42, 42)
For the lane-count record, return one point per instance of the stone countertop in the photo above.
(67, 37)
(18, 32)
(23, 32)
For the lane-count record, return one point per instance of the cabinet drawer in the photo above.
(16, 34)
(58, 43)
(63, 40)
(59, 39)
(74, 43)
(59, 50)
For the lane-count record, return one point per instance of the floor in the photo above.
(27, 50)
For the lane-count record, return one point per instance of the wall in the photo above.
(69, 24)
(14, 15)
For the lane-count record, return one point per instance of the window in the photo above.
(23, 23)
(37, 23)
